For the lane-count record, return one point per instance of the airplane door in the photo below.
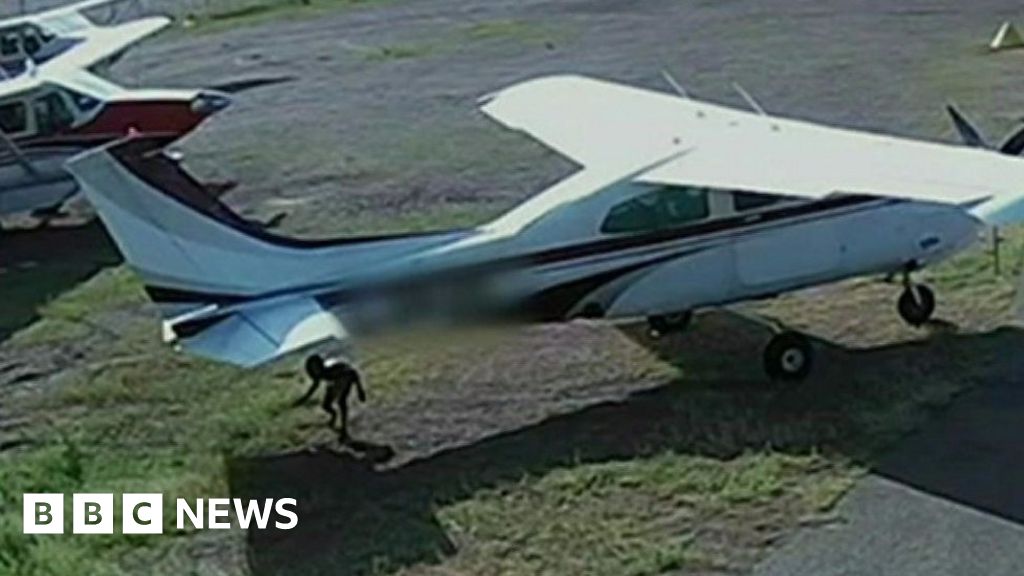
(787, 253)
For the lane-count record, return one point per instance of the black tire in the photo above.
(916, 310)
(788, 357)
(663, 324)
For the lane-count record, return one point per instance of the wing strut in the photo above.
(19, 156)
(675, 85)
(750, 99)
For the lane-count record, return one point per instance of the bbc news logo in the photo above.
(144, 513)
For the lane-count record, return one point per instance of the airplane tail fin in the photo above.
(193, 251)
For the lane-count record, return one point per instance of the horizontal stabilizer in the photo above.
(257, 333)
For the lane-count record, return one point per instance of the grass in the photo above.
(398, 52)
(262, 11)
(135, 426)
(30, 291)
(965, 273)
(632, 517)
(517, 30)
(71, 318)
(23, 294)
(701, 474)
(456, 215)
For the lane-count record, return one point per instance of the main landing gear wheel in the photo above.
(664, 324)
(788, 357)
(916, 304)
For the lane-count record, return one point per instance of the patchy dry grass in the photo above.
(262, 11)
(516, 30)
(529, 34)
(700, 473)
(643, 516)
(398, 52)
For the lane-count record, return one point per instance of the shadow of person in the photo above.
(359, 518)
(374, 453)
(353, 519)
(938, 326)
(38, 264)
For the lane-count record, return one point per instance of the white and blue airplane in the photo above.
(678, 205)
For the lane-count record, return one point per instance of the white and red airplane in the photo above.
(65, 36)
(679, 205)
(50, 114)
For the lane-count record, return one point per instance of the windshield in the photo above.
(52, 114)
(83, 102)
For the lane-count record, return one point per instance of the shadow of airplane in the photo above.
(39, 264)
(971, 455)
(357, 518)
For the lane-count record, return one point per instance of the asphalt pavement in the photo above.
(948, 500)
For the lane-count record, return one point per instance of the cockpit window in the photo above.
(45, 35)
(747, 201)
(10, 44)
(660, 209)
(31, 41)
(13, 118)
(83, 102)
(52, 114)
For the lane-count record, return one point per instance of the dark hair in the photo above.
(315, 366)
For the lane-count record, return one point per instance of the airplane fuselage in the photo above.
(709, 263)
(47, 143)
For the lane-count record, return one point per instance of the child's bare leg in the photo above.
(330, 397)
(343, 432)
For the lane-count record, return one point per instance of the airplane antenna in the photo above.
(675, 85)
(750, 99)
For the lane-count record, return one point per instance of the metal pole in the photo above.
(997, 240)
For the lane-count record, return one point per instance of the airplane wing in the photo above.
(603, 124)
(589, 121)
(103, 42)
(70, 17)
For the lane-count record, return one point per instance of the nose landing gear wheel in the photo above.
(916, 304)
(788, 357)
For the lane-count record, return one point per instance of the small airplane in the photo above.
(66, 36)
(679, 205)
(49, 114)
